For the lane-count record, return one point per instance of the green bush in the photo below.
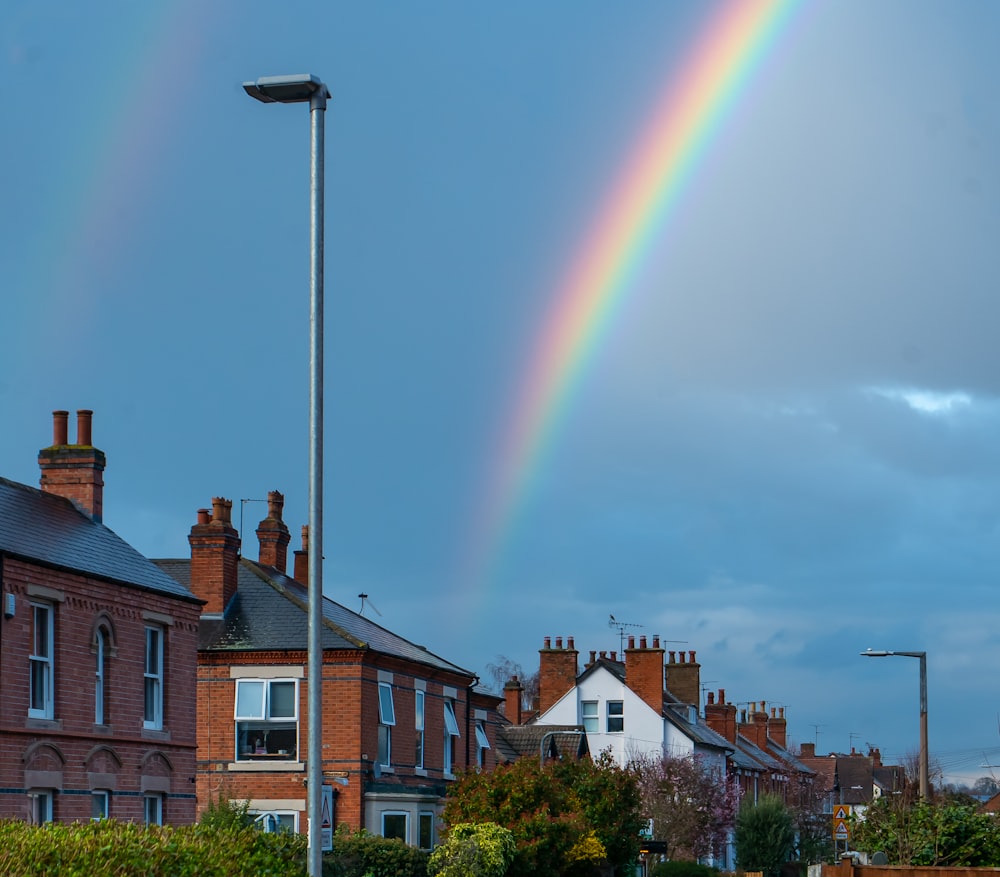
(362, 854)
(123, 849)
(482, 849)
(682, 869)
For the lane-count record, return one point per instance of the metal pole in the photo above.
(317, 112)
(924, 779)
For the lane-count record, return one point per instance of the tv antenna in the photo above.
(364, 599)
(816, 729)
(621, 627)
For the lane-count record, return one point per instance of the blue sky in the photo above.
(782, 453)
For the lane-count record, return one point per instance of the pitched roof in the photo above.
(270, 613)
(50, 530)
(697, 730)
(526, 741)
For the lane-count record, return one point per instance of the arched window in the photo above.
(102, 646)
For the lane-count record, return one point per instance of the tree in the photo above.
(482, 850)
(555, 812)
(693, 808)
(504, 670)
(808, 808)
(946, 832)
(765, 835)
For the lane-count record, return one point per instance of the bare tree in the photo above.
(503, 670)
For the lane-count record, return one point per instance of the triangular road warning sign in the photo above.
(840, 812)
(326, 820)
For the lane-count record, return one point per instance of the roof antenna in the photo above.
(364, 599)
(620, 626)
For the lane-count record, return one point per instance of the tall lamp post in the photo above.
(302, 88)
(882, 653)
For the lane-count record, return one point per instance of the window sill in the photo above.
(156, 734)
(43, 724)
(448, 776)
(420, 772)
(266, 766)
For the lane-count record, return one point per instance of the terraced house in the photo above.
(398, 720)
(97, 655)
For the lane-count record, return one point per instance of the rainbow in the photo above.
(696, 101)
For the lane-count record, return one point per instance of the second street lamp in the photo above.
(300, 88)
(882, 653)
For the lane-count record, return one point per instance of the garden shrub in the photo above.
(682, 869)
(482, 849)
(362, 854)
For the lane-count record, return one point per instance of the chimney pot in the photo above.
(60, 433)
(672, 656)
(722, 695)
(275, 503)
(642, 642)
(204, 517)
(548, 642)
(691, 659)
(559, 644)
(631, 641)
(300, 562)
(84, 420)
(656, 641)
(681, 656)
(711, 698)
(593, 656)
(604, 654)
(569, 642)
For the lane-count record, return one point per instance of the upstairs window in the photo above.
(482, 744)
(41, 667)
(153, 680)
(267, 727)
(101, 648)
(616, 716)
(588, 712)
(418, 719)
(450, 735)
(386, 720)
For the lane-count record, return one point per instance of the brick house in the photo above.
(398, 720)
(97, 655)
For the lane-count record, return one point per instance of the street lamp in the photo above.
(290, 90)
(881, 653)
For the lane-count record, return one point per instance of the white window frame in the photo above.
(406, 823)
(152, 809)
(42, 661)
(263, 717)
(100, 805)
(100, 674)
(425, 817)
(482, 743)
(618, 716)
(386, 721)
(152, 679)
(451, 732)
(418, 721)
(42, 801)
(590, 716)
(276, 821)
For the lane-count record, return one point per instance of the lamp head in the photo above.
(291, 89)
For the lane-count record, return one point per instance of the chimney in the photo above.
(556, 671)
(272, 534)
(684, 678)
(215, 550)
(755, 729)
(807, 750)
(876, 756)
(75, 472)
(644, 671)
(300, 568)
(776, 726)
(512, 694)
(721, 716)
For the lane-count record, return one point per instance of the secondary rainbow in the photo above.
(695, 102)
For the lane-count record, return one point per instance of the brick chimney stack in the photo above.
(721, 716)
(683, 678)
(300, 562)
(777, 726)
(556, 671)
(755, 729)
(807, 750)
(75, 472)
(513, 691)
(644, 671)
(215, 551)
(272, 534)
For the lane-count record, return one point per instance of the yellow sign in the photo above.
(841, 811)
(840, 831)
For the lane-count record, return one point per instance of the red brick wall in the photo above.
(350, 729)
(557, 669)
(73, 733)
(644, 671)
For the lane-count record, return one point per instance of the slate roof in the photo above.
(270, 613)
(50, 530)
(525, 741)
(698, 731)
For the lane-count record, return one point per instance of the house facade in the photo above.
(399, 721)
(97, 655)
